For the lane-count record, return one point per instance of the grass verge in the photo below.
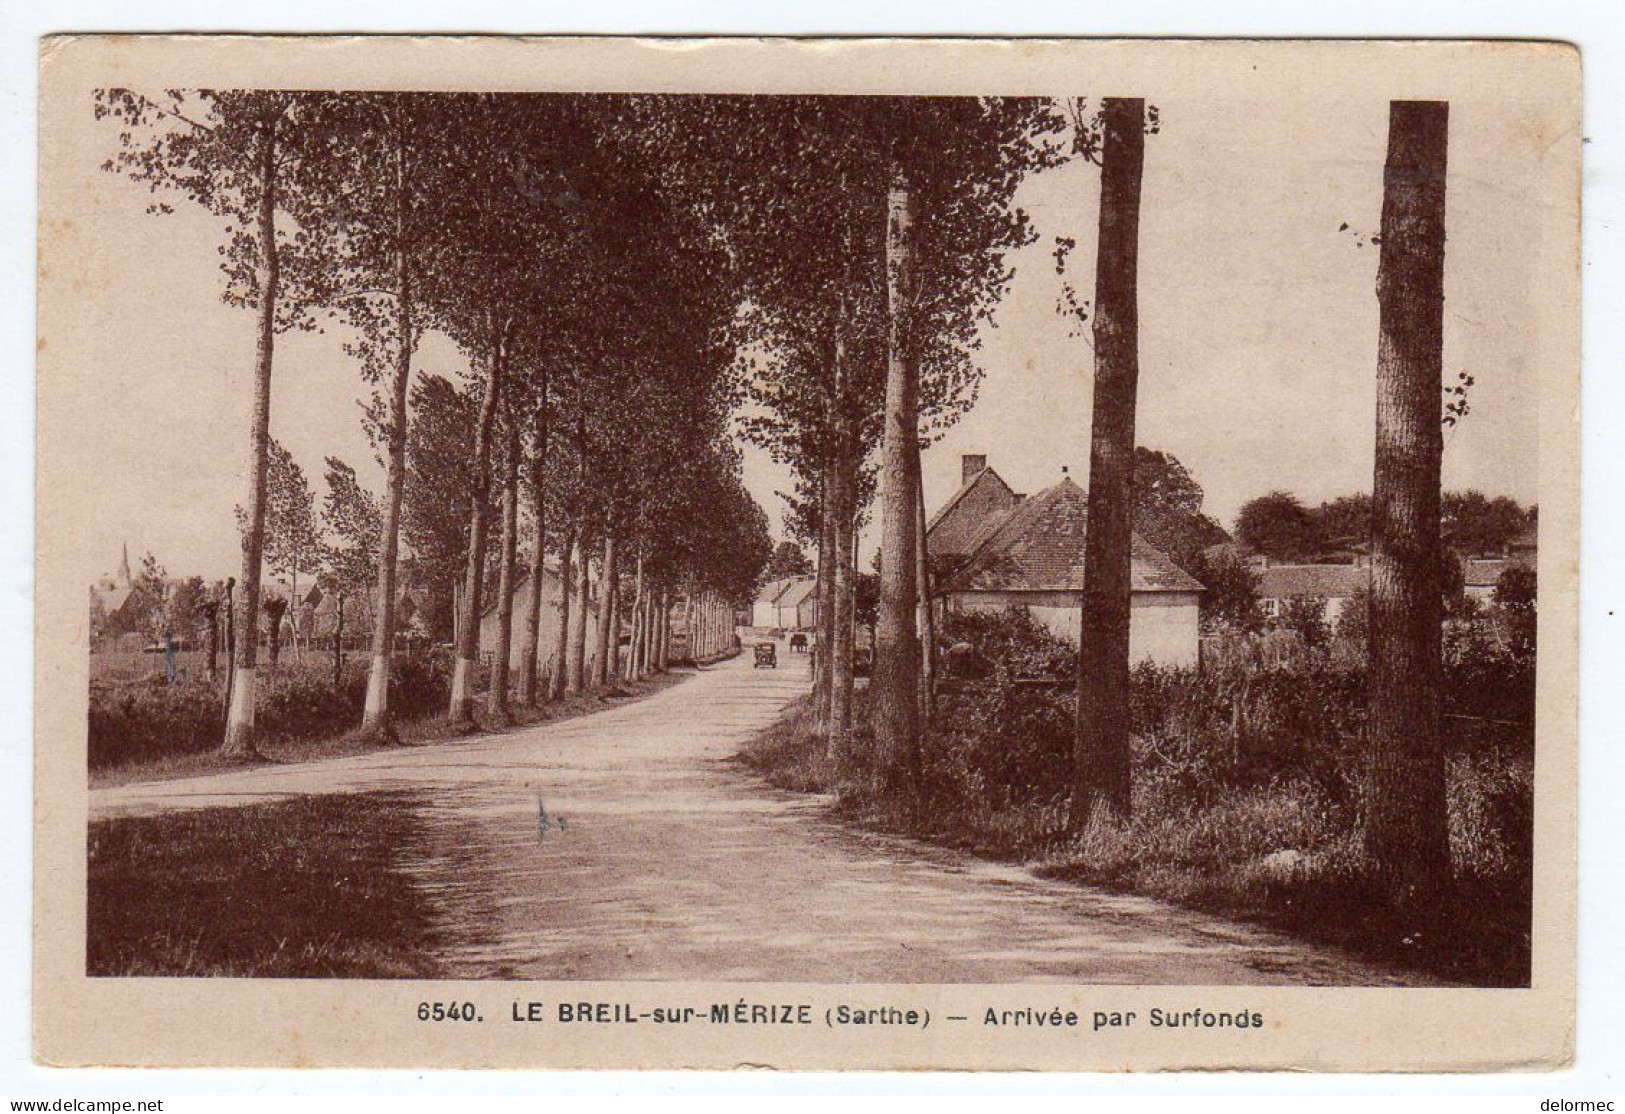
(421, 731)
(1221, 852)
(306, 888)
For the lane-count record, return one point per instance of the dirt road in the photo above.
(674, 863)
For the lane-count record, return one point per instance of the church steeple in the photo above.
(124, 578)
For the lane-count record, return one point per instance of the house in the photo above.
(764, 610)
(790, 603)
(1524, 549)
(120, 604)
(1333, 585)
(1010, 551)
(552, 593)
(1480, 575)
(983, 499)
(111, 594)
(798, 605)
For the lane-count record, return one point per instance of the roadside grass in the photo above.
(306, 888)
(418, 731)
(1221, 857)
(1217, 850)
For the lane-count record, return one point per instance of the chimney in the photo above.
(971, 465)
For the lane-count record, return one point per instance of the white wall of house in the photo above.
(763, 614)
(1331, 608)
(550, 626)
(801, 616)
(1164, 627)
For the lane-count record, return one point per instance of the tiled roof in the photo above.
(797, 592)
(980, 502)
(550, 567)
(1038, 547)
(113, 599)
(1330, 582)
(773, 589)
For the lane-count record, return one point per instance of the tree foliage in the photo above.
(1279, 526)
(1168, 509)
(353, 521)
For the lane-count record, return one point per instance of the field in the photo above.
(313, 888)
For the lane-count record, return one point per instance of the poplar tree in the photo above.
(1406, 823)
(241, 155)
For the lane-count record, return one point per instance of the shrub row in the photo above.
(296, 702)
(1259, 753)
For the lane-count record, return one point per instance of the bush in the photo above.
(976, 644)
(296, 702)
(1007, 736)
(148, 719)
(1247, 785)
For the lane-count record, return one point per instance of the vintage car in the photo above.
(767, 655)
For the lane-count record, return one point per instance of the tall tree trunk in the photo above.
(338, 641)
(375, 717)
(609, 614)
(1406, 833)
(629, 660)
(529, 692)
(644, 614)
(896, 682)
(922, 585)
(688, 624)
(213, 613)
(274, 610)
(824, 627)
(508, 570)
(468, 635)
(230, 606)
(561, 642)
(645, 639)
(576, 672)
(634, 652)
(840, 646)
(239, 739)
(651, 651)
(651, 629)
(645, 636)
(456, 609)
(663, 633)
(1101, 756)
(293, 622)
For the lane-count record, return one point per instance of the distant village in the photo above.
(992, 548)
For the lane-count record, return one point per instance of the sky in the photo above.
(1257, 348)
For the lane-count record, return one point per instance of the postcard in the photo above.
(807, 554)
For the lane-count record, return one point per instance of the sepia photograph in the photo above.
(624, 518)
